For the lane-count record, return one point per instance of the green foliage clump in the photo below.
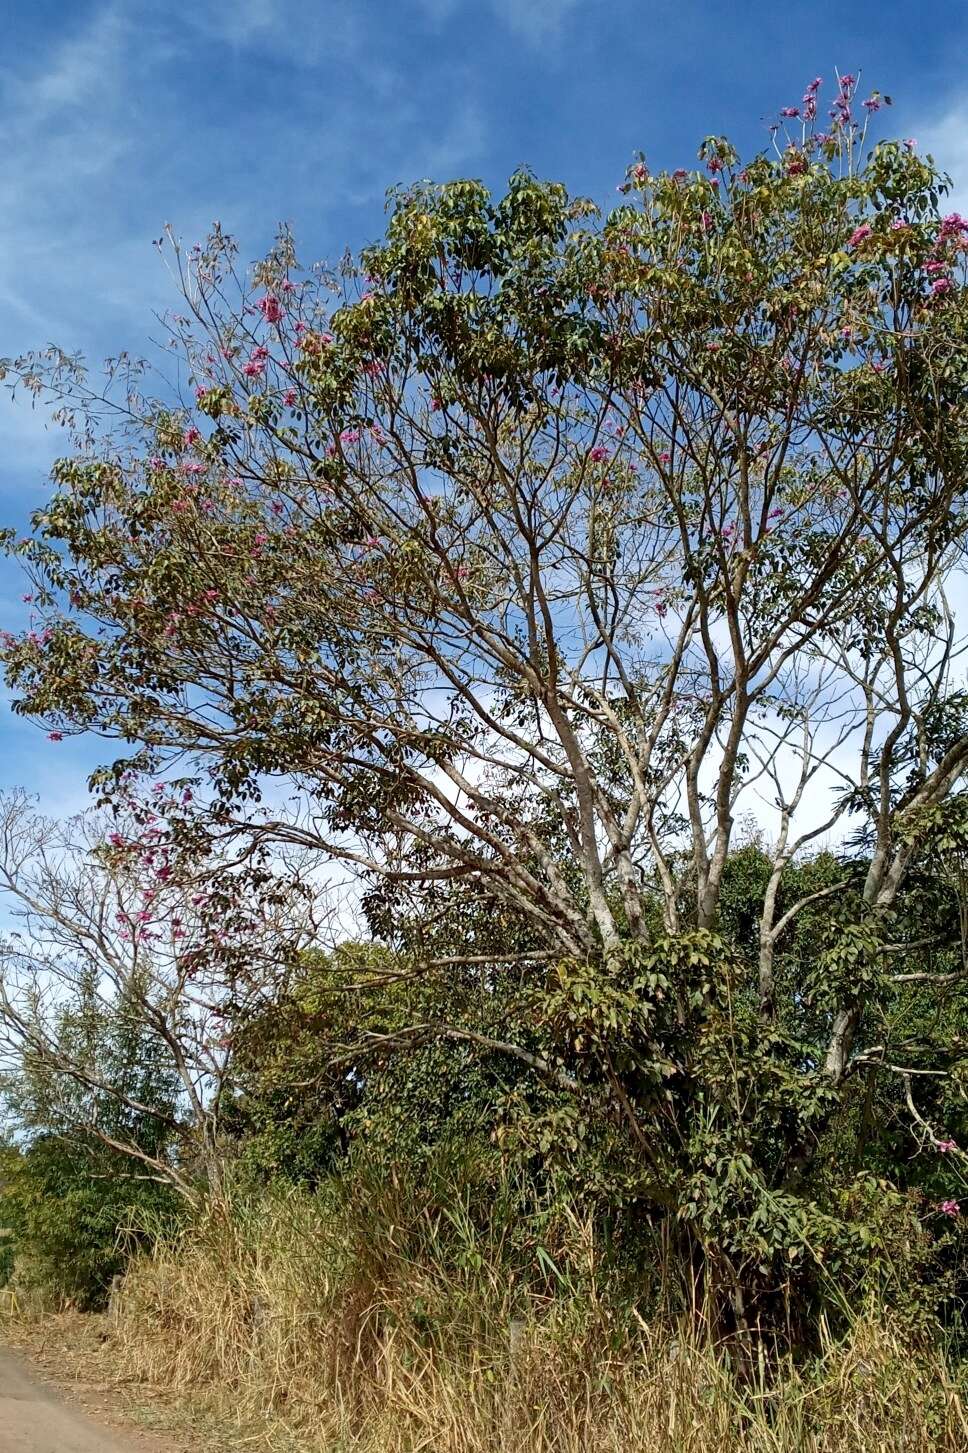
(77, 1205)
(75, 1212)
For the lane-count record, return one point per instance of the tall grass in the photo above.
(340, 1324)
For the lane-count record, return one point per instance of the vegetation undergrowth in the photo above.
(340, 1322)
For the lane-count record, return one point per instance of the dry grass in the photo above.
(285, 1323)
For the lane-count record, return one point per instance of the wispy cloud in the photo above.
(945, 137)
(128, 122)
(536, 21)
(289, 29)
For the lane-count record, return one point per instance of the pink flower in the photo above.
(640, 172)
(706, 220)
(941, 285)
(116, 840)
(270, 308)
(934, 266)
(350, 436)
(860, 234)
(599, 454)
(665, 457)
(810, 99)
(289, 397)
(911, 143)
(679, 175)
(790, 111)
(254, 368)
(953, 224)
(55, 736)
(436, 404)
(949, 1208)
(192, 466)
(946, 1145)
(191, 436)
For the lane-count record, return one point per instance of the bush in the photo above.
(76, 1213)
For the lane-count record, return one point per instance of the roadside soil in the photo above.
(51, 1400)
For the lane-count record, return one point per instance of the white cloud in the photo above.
(945, 137)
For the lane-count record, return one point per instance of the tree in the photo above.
(526, 552)
(115, 998)
(80, 1179)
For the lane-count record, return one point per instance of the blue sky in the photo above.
(120, 116)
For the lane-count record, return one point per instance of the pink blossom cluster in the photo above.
(255, 367)
(271, 308)
(840, 111)
(810, 99)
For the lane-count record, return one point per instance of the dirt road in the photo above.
(34, 1419)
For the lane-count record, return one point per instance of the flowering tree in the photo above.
(126, 923)
(528, 551)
